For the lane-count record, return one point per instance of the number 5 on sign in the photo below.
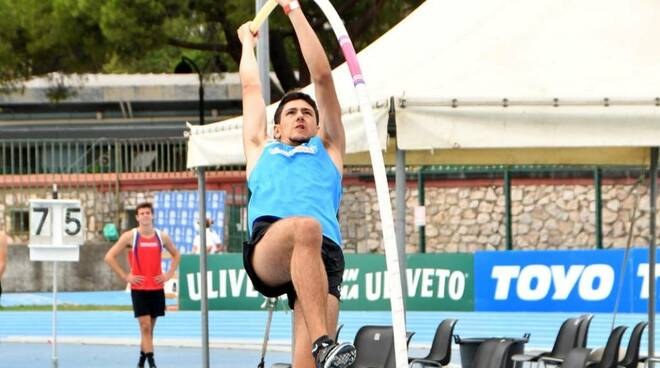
(73, 223)
(56, 222)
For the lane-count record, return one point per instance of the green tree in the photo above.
(38, 37)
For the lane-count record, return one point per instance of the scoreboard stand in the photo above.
(57, 229)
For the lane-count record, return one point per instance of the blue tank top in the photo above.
(296, 181)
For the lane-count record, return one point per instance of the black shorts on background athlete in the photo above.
(148, 303)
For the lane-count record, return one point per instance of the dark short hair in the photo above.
(144, 205)
(292, 96)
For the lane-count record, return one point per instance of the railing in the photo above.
(97, 156)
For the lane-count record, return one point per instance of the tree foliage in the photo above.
(39, 37)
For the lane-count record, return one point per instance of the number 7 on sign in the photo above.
(42, 214)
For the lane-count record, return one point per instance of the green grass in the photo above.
(67, 307)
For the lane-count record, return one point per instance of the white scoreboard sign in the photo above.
(57, 229)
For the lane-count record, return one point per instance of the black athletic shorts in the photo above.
(148, 303)
(331, 253)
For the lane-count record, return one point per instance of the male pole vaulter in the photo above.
(295, 181)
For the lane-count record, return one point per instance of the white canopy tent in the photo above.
(474, 54)
(500, 74)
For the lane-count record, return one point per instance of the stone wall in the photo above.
(100, 207)
(458, 219)
(89, 274)
(469, 218)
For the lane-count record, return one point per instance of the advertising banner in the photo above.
(435, 282)
(562, 280)
(533, 281)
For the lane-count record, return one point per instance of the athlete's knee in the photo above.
(145, 328)
(308, 227)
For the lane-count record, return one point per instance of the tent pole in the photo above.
(201, 189)
(653, 172)
(508, 231)
(400, 194)
(598, 186)
(420, 202)
(400, 183)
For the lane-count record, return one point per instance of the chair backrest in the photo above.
(492, 353)
(576, 358)
(566, 338)
(441, 345)
(375, 347)
(631, 359)
(610, 358)
(583, 330)
(339, 327)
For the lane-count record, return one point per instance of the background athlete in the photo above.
(145, 276)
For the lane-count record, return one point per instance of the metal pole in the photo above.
(598, 184)
(420, 201)
(54, 358)
(263, 61)
(263, 58)
(652, 197)
(400, 196)
(202, 239)
(507, 210)
(201, 188)
(201, 98)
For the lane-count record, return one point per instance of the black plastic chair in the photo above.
(576, 358)
(583, 330)
(375, 347)
(631, 358)
(440, 353)
(581, 341)
(610, 357)
(492, 353)
(566, 340)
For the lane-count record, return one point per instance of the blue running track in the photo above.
(180, 330)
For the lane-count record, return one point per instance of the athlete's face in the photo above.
(144, 216)
(298, 123)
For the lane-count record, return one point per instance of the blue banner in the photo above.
(562, 281)
(176, 213)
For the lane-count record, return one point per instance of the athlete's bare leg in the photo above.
(303, 343)
(291, 251)
(146, 333)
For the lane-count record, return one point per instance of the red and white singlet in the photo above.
(145, 260)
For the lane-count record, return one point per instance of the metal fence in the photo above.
(96, 156)
(92, 170)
